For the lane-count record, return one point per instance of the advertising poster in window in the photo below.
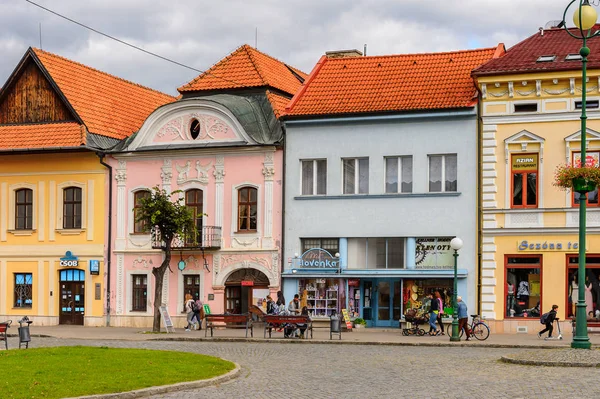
(434, 253)
(592, 159)
(259, 298)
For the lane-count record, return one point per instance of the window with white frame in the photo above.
(314, 177)
(442, 173)
(356, 175)
(398, 174)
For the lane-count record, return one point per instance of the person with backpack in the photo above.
(189, 303)
(548, 320)
(198, 316)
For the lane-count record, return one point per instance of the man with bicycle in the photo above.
(463, 317)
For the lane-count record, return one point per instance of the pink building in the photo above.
(221, 145)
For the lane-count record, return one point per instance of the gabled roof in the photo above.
(523, 56)
(407, 82)
(246, 68)
(108, 106)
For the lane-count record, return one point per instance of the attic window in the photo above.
(588, 104)
(573, 57)
(546, 58)
(526, 107)
(195, 129)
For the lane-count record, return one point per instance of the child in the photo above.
(549, 321)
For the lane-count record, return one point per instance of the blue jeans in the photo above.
(432, 320)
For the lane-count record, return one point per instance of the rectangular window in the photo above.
(140, 226)
(592, 159)
(376, 253)
(524, 181)
(442, 173)
(522, 289)
(331, 245)
(139, 292)
(23, 290)
(356, 175)
(191, 285)
(589, 104)
(527, 107)
(247, 209)
(395, 168)
(72, 208)
(314, 177)
(24, 209)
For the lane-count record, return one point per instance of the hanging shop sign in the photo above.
(550, 246)
(69, 260)
(525, 161)
(433, 253)
(94, 267)
(353, 282)
(317, 258)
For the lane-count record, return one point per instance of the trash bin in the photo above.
(335, 325)
(24, 335)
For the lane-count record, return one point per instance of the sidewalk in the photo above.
(368, 336)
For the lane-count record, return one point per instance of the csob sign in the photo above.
(69, 260)
(318, 258)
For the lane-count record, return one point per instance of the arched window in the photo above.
(247, 209)
(194, 201)
(24, 209)
(195, 129)
(72, 208)
(139, 227)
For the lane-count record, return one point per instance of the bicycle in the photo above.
(479, 329)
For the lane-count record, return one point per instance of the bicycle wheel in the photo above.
(420, 332)
(481, 331)
(404, 332)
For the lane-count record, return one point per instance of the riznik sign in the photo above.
(317, 258)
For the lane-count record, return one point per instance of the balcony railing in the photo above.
(208, 237)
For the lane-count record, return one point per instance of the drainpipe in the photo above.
(479, 193)
(283, 180)
(109, 247)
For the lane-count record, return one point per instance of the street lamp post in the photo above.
(456, 244)
(585, 19)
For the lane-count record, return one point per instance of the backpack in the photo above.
(544, 318)
(194, 307)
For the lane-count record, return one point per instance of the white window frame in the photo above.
(12, 202)
(443, 181)
(315, 175)
(356, 176)
(60, 198)
(399, 173)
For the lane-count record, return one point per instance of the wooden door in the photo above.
(72, 297)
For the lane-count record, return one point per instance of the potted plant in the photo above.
(577, 178)
(359, 322)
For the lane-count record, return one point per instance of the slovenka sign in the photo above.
(317, 258)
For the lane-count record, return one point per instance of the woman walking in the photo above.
(434, 310)
(438, 298)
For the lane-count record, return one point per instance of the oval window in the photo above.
(195, 129)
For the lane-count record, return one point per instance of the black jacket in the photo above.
(551, 317)
(435, 305)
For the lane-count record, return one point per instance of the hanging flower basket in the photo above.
(581, 180)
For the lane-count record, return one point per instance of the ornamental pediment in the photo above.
(197, 127)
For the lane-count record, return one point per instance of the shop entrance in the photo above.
(382, 305)
(592, 287)
(246, 287)
(72, 297)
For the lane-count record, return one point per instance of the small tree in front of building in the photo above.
(168, 219)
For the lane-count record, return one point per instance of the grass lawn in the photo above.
(81, 370)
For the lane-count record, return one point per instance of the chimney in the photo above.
(343, 54)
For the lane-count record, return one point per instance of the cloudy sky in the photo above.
(199, 33)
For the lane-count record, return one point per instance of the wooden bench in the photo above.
(4, 333)
(228, 321)
(276, 321)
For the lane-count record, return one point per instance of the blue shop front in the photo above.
(328, 283)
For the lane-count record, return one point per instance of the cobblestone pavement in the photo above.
(558, 357)
(271, 370)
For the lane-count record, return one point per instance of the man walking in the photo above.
(548, 320)
(463, 317)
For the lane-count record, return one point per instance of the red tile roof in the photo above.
(42, 135)
(278, 103)
(108, 105)
(391, 83)
(522, 57)
(247, 67)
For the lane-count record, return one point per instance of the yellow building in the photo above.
(57, 117)
(530, 114)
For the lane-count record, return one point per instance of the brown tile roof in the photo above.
(278, 102)
(247, 67)
(42, 135)
(108, 105)
(523, 56)
(404, 82)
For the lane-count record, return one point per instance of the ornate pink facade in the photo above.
(198, 144)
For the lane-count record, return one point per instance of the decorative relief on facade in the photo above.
(141, 263)
(538, 87)
(172, 131)
(525, 93)
(166, 173)
(182, 172)
(210, 128)
(192, 263)
(241, 243)
(219, 172)
(511, 93)
(268, 172)
(484, 91)
(498, 94)
(200, 175)
(262, 262)
(120, 283)
(121, 173)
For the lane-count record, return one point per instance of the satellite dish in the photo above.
(553, 24)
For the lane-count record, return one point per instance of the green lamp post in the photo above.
(455, 244)
(584, 18)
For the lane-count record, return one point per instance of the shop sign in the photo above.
(353, 282)
(526, 245)
(94, 267)
(69, 260)
(318, 258)
(247, 283)
(527, 161)
(433, 253)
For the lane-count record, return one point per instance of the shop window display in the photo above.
(415, 294)
(591, 287)
(322, 296)
(523, 287)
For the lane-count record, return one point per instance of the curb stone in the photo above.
(181, 386)
(546, 363)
